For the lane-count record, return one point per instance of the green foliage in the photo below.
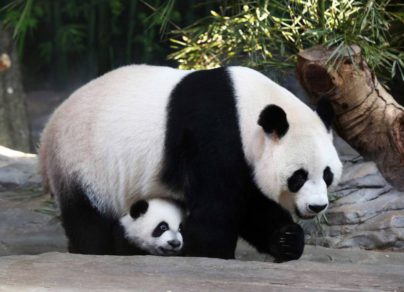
(77, 40)
(268, 34)
(82, 39)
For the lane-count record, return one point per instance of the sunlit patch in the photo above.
(4, 151)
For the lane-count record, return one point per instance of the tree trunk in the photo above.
(367, 116)
(14, 131)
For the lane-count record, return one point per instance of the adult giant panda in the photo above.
(241, 150)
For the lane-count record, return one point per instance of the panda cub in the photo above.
(151, 227)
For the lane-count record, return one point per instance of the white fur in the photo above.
(111, 133)
(139, 231)
(307, 144)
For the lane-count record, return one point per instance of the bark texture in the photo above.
(14, 130)
(367, 116)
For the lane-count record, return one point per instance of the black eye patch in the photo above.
(328, 176)
(160, 229)
(297, 180)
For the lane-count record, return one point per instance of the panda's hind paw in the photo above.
(288, 243)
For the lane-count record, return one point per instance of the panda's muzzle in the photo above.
(173, 247)
(174, 243)
(317, 208)
(305, 217)
(168, 252)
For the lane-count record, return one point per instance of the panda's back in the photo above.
(110, 133)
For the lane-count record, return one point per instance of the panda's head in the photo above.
(155, 226)
(295, 161)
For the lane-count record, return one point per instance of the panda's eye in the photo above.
(328, 176)
(160, 229)
(297, 180)
(164, 227)
(180, 228)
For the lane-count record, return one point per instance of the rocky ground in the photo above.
(61, 271)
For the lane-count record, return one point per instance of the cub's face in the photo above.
(155, 226)
(296, 161)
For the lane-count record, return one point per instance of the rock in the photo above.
(345, 151)
(26, 230)
(356, 170)
(362, 211)
(57, 271)
(24, 227)
(18, 169)
(380, 239)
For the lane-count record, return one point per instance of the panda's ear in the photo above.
(326, 112)
(273, 120)
(138, 209)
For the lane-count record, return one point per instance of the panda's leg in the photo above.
(211, 228)
(270, 228)
(88, 231)
(212, 195)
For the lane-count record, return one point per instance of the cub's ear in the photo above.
(273, 120)
(138, 209)
(326, 112)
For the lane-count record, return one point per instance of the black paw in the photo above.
(288, 243)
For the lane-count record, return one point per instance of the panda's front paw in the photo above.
(288, 243)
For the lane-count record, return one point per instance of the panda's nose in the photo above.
(317, 208)
(174, 243)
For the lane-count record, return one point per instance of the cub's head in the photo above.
(155, 226)
(294, 159)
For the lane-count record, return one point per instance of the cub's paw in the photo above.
(288, 243)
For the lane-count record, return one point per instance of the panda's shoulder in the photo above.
(241, 72)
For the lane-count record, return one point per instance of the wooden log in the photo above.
(367, 116)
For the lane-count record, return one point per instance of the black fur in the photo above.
(122, 246)
(317, 208)
(297, 180)
(88, 231)
(273, 120)
(328, 176)
(325, 112)
(270, 228)
(160, 229)
(204, 159)
(139, 208)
